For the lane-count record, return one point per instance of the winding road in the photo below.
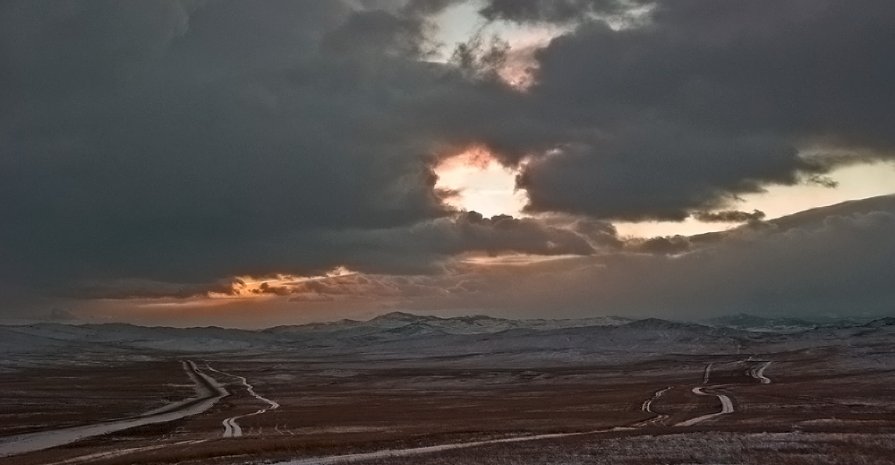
(726, 402)
(758, 373)
(208, 393)
(755, 371)
(648, 408)
(231, 427)
(413, 451)
(726, 407)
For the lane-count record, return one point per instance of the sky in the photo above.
(249, 164)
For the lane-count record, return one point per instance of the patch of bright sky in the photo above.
(855, 182)
(461, 22)
(481, 184)
(485, 186)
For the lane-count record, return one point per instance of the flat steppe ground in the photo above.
(814, 406)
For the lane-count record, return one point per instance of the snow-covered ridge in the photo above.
(473, 324)
(756, 323)
(404, 334)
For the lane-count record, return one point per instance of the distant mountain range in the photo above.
(475, 324)
(406, 336)
(756, 323)
(749, 322)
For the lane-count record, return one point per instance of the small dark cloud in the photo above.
(823, 181)
(267, 288)
(552, 11)
(600, 180)
(666, 245)
(427, 7)
(120, 288)
(481, 57)
(729, 216)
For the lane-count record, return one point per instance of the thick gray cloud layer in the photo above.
(833, 261)
(173, 140)
(151, 148)
(838, 265)
(707, 100)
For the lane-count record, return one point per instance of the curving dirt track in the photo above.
(208, 390)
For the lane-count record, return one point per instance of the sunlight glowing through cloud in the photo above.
(514, 259)
(244, 287)
(473, 180)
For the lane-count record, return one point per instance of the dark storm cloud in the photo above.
(163, 147)
(658, 173)
(705, 101)
(186, 142)
(422, 248)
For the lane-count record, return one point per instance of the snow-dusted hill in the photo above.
(475, 324)
(404, 335)
(43, 337)
(757, 323)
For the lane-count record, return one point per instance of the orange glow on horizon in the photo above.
(249, 287)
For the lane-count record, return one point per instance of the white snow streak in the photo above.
(210, 392)
(388, 453)
(707, 373)
(121, 452)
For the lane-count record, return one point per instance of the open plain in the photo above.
(402, 389)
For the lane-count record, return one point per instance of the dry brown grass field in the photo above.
(818, 407)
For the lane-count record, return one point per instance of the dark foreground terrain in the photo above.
(405, 390)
